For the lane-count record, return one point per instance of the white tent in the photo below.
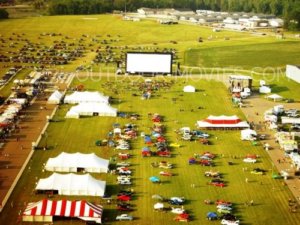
(92, 109)
(264, 90)
(72, 184)
(275, 97)
(71, 114)
(222, 122)
(71, 162)
(85, 97)
(262, 83)
(248, 134)
(55, 98)
(45, 210)
(189, 88)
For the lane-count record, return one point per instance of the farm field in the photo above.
(178, 109)
(72, 135)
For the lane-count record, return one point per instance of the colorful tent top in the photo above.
(222, 122)
(45, 210)
(85, 97)
(71, 162)
(72, 184)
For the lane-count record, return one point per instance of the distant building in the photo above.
(293, 72)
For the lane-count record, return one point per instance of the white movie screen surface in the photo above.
(149, 63)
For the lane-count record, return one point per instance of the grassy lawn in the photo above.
(212, 96)
(245, 55)
(242, 50)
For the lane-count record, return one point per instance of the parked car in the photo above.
(176, 201)
(223, 202)
(177, 210)
(123, 164)
(124, 207)
(199, 134)
(217, 183)
(124, 182)
(165, 173)
(223, 211)
(214, 174)
(249, 160)
(124, 217)
(184, 217)
(230, 222)
(258, 171)
(124, 197)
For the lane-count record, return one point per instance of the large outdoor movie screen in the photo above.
(148, 63)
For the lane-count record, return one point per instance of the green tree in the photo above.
(4, 14)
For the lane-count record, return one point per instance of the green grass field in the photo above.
(71, 135)
(242, 50)
(82, 134)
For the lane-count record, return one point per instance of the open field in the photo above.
(82, 134)
(178, 109)
(242, 49)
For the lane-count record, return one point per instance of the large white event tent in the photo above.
(55, 97)
(91, 109)
(45, 210)
(72, 184)
(222, 122)
(73, 162)
(86, 97)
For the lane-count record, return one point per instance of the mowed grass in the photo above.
(250, 56)
(178, 109)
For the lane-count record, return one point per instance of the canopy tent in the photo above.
(290, 120)
(275, 97)
(189, 88)
(45, 210)
(55, 97)
(71, 114)
(72, 162)
(85, 97)
(248, 134)
(92, 109)
(72, 184)
(264, 90)
(221, 122)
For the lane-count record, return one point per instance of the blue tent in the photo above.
(212, 216)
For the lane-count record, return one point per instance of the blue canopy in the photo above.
(212, 215)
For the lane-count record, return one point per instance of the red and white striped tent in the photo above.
(45, 210)
(220, 122)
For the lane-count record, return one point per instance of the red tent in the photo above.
(45, 210)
